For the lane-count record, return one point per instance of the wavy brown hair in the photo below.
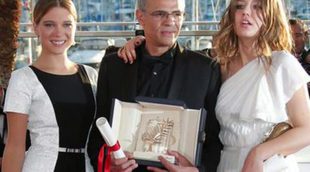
(274, 34)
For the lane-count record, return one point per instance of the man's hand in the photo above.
(124, 164)
(183, 164)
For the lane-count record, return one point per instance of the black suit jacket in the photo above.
(195, 80)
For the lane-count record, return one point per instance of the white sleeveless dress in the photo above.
(250, 102)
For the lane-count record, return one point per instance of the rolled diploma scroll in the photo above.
(108, 136)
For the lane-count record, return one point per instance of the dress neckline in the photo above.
(52, 74)
(240, 70)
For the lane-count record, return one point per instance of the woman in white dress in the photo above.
(262, 85)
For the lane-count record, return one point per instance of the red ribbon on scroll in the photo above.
(107, 164)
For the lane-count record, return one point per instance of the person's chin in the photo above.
(168, 42)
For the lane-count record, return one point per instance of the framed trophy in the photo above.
(152, 126)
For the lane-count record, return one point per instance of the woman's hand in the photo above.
(128, 52)
(183, 164)
(253, 162)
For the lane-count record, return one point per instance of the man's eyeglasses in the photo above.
(162, 15)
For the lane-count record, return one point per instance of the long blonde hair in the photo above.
(274, 34)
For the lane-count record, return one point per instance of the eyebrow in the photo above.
(48, 21)
(51, 21)
(167, 11)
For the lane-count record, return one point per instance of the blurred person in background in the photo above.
(300, 32)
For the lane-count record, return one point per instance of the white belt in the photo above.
(71, 150)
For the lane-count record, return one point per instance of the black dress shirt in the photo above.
(154, 74)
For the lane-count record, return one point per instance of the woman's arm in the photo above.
(128, 52)
(14, 152)
(298, 109)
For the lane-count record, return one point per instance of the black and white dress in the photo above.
(61, 109)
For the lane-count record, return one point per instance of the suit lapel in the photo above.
(131, 77)
(178, 73)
